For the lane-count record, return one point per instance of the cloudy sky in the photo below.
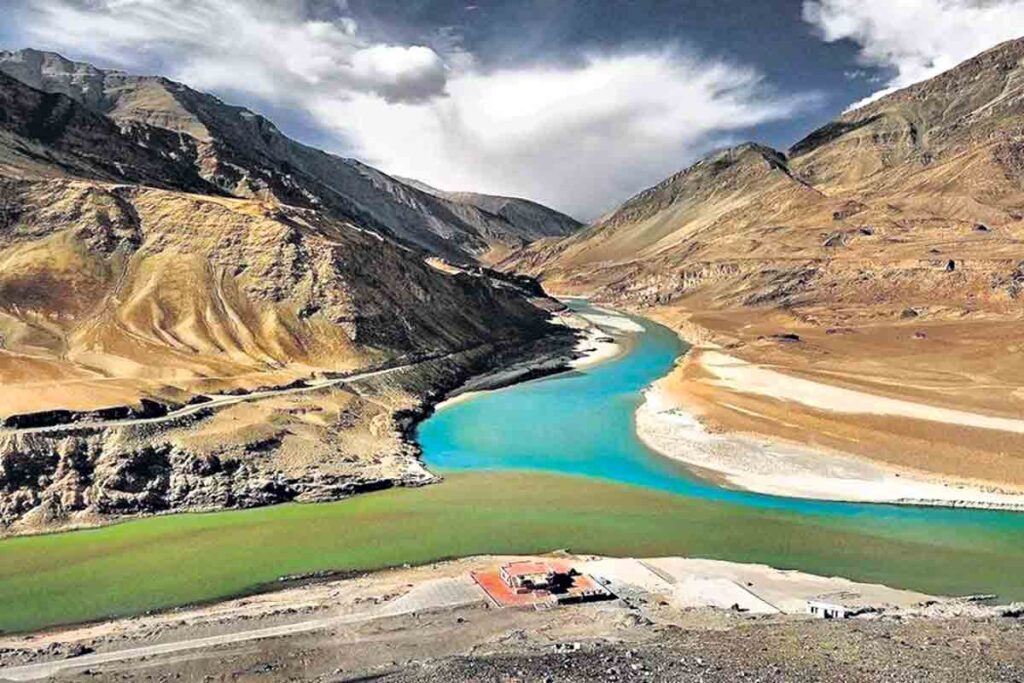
(574, 103)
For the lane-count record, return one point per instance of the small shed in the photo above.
(827, 610)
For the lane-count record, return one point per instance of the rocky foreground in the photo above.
(709, 649)
(954, 650)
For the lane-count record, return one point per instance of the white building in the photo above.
(827, 610)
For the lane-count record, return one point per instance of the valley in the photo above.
(587, 483)
(251, 392)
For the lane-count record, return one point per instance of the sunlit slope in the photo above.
(866, 213)
(101, 282)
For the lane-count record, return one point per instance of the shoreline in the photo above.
(747, 461)
(773, 466)
(686, 582)
(594, 347)
(541, 358)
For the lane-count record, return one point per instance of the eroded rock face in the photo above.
(114, 473)
(317, 446)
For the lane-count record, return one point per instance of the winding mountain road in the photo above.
(221, 400)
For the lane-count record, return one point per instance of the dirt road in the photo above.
(222, 400)
(439, 594)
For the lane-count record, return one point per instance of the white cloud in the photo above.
(580, 137)
(917, 39)
(400, 73)
(270, 49)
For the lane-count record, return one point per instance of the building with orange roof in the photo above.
(538, 584)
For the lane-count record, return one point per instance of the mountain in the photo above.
(706, 212)
(885, 250)
(50, 134)
(504, 218)
(246, 156)
(925, 176)
(197, 312)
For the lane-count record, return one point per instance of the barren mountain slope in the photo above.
(111, 294)
(124, 281)
(889, 244)
(504, 217)
(247, 156)
(138, 301)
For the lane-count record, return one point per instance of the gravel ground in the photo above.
(942, 650)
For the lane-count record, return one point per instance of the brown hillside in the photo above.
(153, 254)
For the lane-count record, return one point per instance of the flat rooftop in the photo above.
(583, 587)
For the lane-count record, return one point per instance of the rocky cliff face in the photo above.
(245, 155)
(158, 247)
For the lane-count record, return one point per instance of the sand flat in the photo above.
(739, 375)
(776, 467)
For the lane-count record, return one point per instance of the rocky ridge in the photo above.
(243, 154)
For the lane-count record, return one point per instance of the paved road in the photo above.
(430, 595)
(217, 401)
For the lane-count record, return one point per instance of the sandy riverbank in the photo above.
(602, 340)
(672, 425)
(596, 347)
